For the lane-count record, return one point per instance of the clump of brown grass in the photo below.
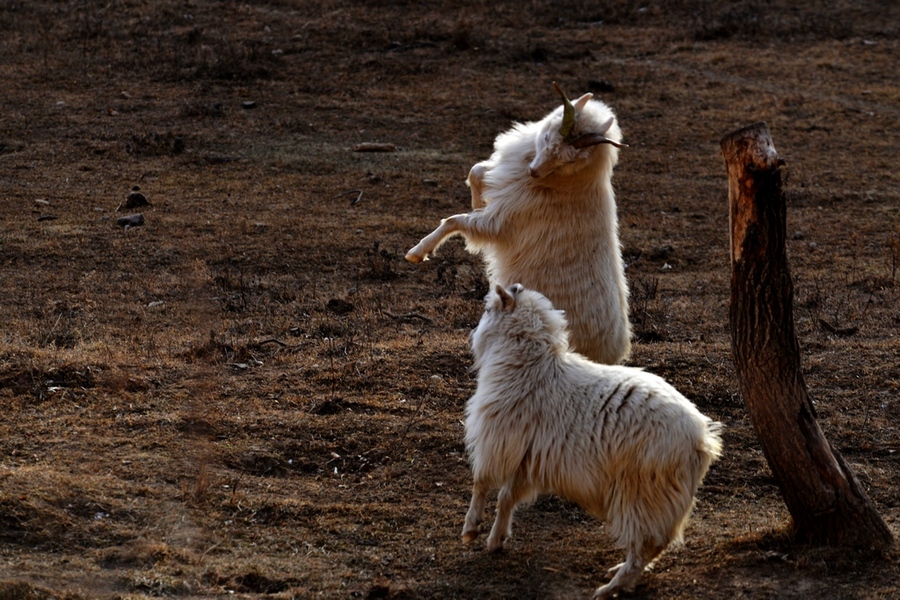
(648, 311)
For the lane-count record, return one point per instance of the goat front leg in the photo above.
(430, 242)
(476, 184)
(472, 225)
(476, 511)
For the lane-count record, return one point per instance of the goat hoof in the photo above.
(494, 545)
(414, 258)
(469, 536)
(601, 593)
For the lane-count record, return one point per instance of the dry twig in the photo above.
(408, 317)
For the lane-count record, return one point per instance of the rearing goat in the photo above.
(544, 215)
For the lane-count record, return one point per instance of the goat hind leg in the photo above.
(628, 573)
(507, 500)
(613, 570)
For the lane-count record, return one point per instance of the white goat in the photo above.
(622, 443)
(544, 215)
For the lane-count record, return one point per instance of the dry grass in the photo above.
(253, 395)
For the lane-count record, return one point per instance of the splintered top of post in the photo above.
(747, 151)
(751, 145)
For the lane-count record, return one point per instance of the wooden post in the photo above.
(825, 500)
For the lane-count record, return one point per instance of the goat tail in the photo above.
(711, 443)
(707, 450)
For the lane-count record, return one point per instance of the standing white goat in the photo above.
(620, 442)
(544, 215)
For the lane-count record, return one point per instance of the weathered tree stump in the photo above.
(825, 500)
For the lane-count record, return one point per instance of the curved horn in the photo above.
(592, 139)
(568, 122)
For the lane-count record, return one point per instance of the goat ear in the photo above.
(605, 127)
(507, 301)
(579, 104)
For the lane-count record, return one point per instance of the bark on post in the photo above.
(825, 500)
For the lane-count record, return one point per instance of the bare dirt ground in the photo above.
(253, 395)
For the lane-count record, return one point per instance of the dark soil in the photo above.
(253, 395)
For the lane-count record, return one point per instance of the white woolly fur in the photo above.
(621, 442)
(544, 215)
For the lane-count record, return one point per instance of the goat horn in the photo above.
(592, 139)
(568, 122)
